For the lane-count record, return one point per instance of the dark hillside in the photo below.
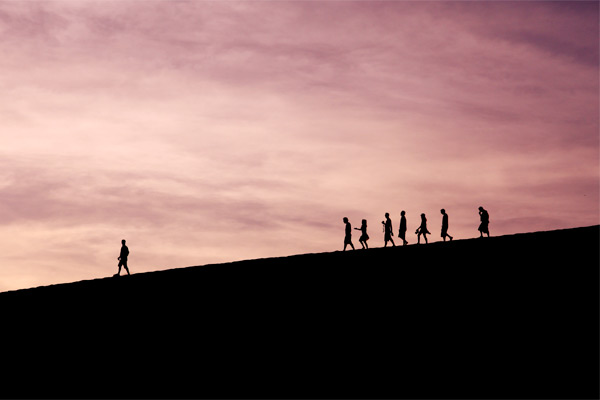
(503, 317)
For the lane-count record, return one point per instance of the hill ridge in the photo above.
(511, 316)
(275, 258)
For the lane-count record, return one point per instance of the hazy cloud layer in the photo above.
(206, 131)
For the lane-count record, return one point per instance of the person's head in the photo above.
(480, 208)
(387, 215)
(443, 211)
(364, 222)
(345, 220)
(423, 216)
(123, 242)
(403, 213)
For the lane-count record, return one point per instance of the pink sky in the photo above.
(205, 131)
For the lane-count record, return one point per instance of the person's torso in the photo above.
(124, 252)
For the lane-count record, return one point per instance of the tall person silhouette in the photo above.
(387, 230)
(422, 230)
(348, 237)
(364, 237)
(485, 221)
(445, 225)
(123, 258)
(402, 230)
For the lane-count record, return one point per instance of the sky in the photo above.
(213, 131)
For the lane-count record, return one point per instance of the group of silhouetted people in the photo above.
(388, 233)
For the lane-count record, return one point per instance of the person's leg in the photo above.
(126, 269)
(425, 236)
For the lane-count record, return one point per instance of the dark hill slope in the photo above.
(505, 317)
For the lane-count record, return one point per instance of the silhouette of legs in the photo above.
(402, 235)
(419, 233)
(346, 243)
(124, 264)
(447, 236)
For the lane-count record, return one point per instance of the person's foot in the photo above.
(450, 238)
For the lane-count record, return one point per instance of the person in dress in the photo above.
(422, 230)
(485, 221)
(364, 237)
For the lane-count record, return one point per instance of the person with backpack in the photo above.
(123, 258)
(485, 221)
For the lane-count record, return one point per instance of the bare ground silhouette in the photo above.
(510, 317)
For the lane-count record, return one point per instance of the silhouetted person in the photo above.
(402, 230)
(445, 225)
(364, 237)
(485, 220)
(387, 230)
(123, 258)
(422, 230)
(348, 237)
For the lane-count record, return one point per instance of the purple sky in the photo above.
(205, 131)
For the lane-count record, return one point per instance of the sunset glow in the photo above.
(206, 131)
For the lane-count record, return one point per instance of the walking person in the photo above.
(422, 230)
(123, 258)
(364, 237)
(445, 225)
(485, 221)
(348, 237)
(402, 230)
(387, 230)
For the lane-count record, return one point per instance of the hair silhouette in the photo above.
(123, 258)
(422, 229)
(402, 230)
(364, 237)
(387, 230)
(348, 237)
(485, 220)
(445, 225)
